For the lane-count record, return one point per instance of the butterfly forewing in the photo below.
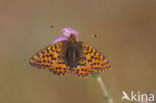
(95, 59)
(51, 58)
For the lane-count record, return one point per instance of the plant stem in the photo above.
(103, 87)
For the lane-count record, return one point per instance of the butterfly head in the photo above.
(72, 37)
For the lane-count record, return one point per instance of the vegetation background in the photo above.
(126, 35)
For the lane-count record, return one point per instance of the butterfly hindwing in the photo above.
(82, 69)
(51, 58)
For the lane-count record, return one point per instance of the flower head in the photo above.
(60, 39)
(66, 32)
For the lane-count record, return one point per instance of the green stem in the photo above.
(103, 87)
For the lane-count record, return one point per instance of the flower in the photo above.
(66, 32)
(60, 39)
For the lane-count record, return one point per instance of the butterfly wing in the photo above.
(92, 61)
(51, 58)
(95, 59)
(82, 69)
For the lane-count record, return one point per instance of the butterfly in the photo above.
(70, 56)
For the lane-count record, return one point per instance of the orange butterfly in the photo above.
(70, 56)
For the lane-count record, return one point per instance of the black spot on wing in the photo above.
(89, 60)
(42, 52)
(47, 55)
(91, 51)
(92, 57)
(51, 48)
(50, 55)
(37, 54)
(53, 58)
(87, 48)
(57, 51)
(43, 56)
(47, 50)
(55, 46)
(95, 53)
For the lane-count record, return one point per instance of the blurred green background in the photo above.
(126, 35)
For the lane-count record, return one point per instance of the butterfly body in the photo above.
(71, 52)
(72, 56)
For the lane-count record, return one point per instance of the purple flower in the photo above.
(66, 31)
(60, 39)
